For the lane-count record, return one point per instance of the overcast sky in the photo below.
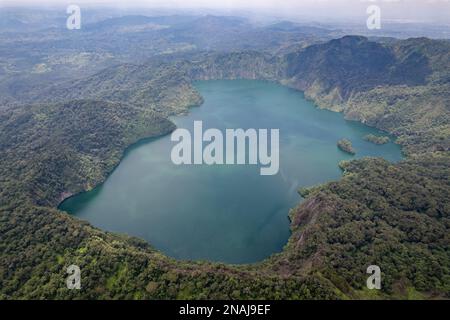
(421, 10)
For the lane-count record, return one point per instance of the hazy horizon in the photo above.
(430, 11)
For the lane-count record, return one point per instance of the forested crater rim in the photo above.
(144, 141)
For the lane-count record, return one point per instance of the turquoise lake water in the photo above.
(227, 213)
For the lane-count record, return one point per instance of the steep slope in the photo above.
(158, 86)
(339, 68)
(393, 216)
(402, 87)
(50, 151)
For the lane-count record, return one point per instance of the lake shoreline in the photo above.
(146, 140)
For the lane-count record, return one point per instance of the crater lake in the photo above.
(227, 213)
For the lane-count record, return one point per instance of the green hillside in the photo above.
(394, 213)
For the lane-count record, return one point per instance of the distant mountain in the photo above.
(45, 51)
(288, 26)
(211, 23)
(117, 23)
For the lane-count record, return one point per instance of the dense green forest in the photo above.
(63, 138)
(346, 146)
